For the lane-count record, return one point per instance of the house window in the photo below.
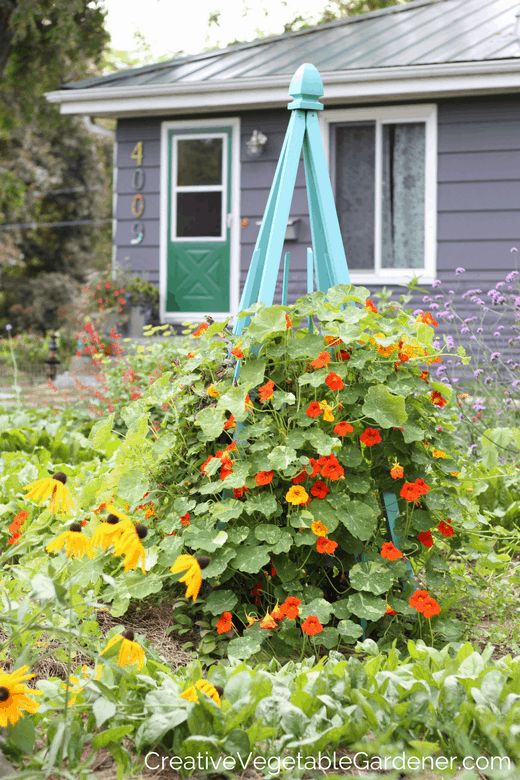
(383, 170)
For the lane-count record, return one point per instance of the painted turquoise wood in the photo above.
(285, 285)
(304, 134)
(310, 284)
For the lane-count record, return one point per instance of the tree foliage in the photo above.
(43, 45)
(341, 9)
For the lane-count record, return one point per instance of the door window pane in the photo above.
(355, 191)
(199, 162)
(404, 155)
(199, 214)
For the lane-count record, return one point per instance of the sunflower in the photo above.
(129, 545)
(213, 691)
(55, 488)
(108, 532)
(130, 651)
(193, 577)
(13, 695)
(77, 544)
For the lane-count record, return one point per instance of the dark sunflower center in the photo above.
(141, 530)
(128, 634)
(112, 520)
(76, 527)
(4, 693)
(60, 476)
(203, 561)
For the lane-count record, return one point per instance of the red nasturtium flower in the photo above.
(342, 428)
(312, 626)
(370, 306)
(301, 477)
(237, 352)
(437, 399)
(200, 330)
(256, 593)
(288, 322)
(239, 492)
(397, 471)
(417, 599)
(316, 467)
(297, 495)
(344, 355)
(319, 489)
(276, 614)
(18, 521)
(410, 491)
(389, 610)
(330, 467)
(424, 375)
(445, 528)
(206, 462)
(427, 318)
(425, 537)
(266, 391)
(225, 623)
(333, 340)
(421, 486)
(264, 477)
(290, 607)
(370, 436)
(324, 545)
(227, 467)
(321, 361)
(314, 409)
(390, 551)
(334, 381)
(185, 519)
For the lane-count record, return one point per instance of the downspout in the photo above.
(92, 127)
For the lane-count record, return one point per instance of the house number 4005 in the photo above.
(138, 179)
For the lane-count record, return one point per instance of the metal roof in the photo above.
(424, 32)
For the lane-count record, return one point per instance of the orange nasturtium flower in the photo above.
(318, 529)
(421, 486)
(314, 409)
(288, 322)
(397, 471)
(312, 626)
(230, 423)
(212, 391)
(438, 454)
(390, 551)
(200, 330)
(389, 610)
(276, 614)
(342, 428)
(327, 411)
(334, 381)
(297, 495)
(268, 622)
(427, 318)
(225, 623)
(333, 340)
(331, 468)
(264, 477)
(324, 545)
(424, 375)
(370, 436)
(370, 306)
(237, 352)
(321, 361)
(239, 492)
(266, 391)
(430, 608)
(417, 599)
(290, 607)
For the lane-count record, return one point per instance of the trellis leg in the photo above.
(310, 283)
(285, 285)
(392, 510)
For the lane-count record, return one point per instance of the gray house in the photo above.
(421, 127)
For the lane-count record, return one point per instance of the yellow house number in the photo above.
(138, 179)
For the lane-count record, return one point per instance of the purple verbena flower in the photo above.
(436, 283)
(478, 372)
(495, 355)
(460, 271)
(514, 249)
(511, 276)
(8, 327)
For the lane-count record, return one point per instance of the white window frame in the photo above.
(427, 113)
(233, 211)
(222, 188)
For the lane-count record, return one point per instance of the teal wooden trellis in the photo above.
(326, 260)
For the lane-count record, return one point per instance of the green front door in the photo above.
(198, 250)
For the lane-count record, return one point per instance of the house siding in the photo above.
(478, 194)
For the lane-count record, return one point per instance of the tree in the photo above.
(51, 168)
(341, 9)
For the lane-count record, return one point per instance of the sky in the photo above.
(166, 31)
